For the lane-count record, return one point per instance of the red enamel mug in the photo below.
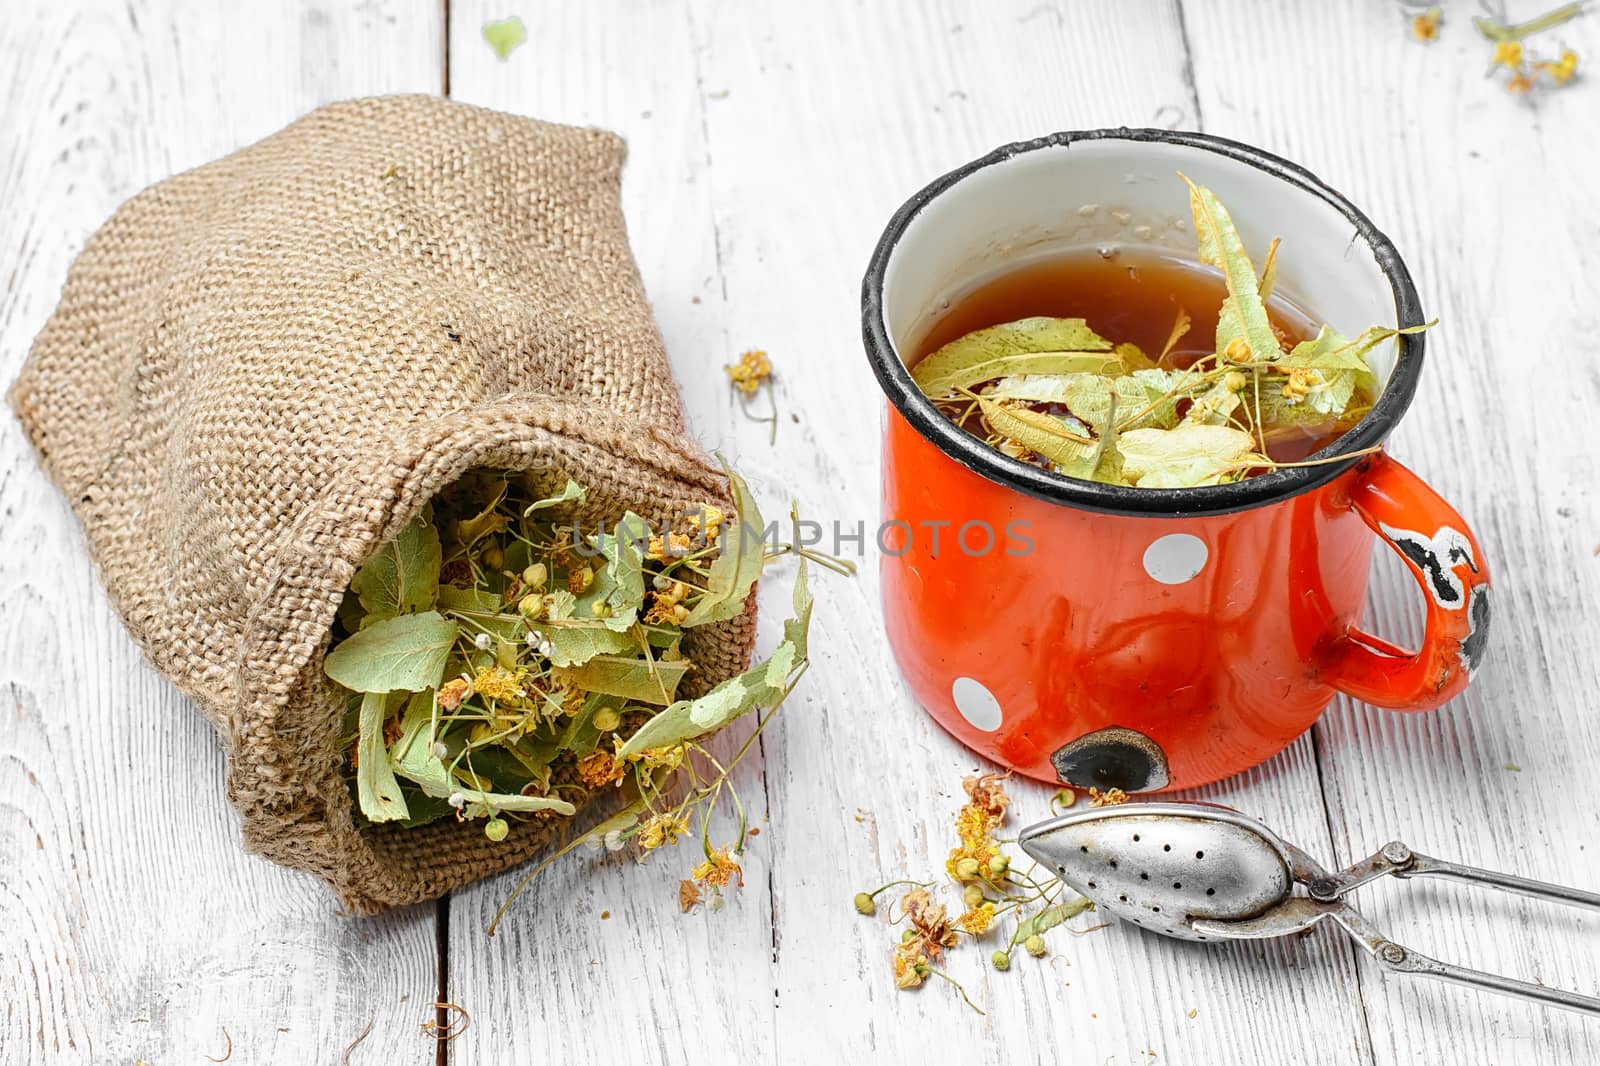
(1151, 639)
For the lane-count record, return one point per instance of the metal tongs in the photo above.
(1201, 871)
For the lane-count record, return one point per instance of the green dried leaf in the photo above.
(490, 520)
(796, 630)
(560, 605)
(733, 573)
(763, 684)
(1040, 433)
(403, 575)
(578, 642)
(1215, 406)
(994, 352)
(377, 791)
(1049, 918)
(1187, 455)
(481, 804)
(1133, 357)
(408, 652)
(468, 601)
(1331, 350)
(573, 493)
(1269, 270)
(504, 36)
(1244, 312)
(632, 679)
(412, 755)
(1497, 31)
(619, 584)
(691, 718)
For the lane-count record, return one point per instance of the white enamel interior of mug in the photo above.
(1127, 194)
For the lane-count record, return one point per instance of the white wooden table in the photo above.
(769, 143)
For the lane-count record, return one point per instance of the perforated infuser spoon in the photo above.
(1201, 871)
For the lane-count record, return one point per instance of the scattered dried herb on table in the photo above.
(993, 892)
(504, 666)
(1054, 393)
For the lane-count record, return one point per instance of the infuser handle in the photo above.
(1397, 959)
(1427, 866)
(1444, 557)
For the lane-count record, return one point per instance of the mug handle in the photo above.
(1445, 558)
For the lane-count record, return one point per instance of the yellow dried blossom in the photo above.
(498, 684)
(662, 829)
(1109, 798)
(1425, 27)
(673, 546)
(1562, 70)
(452, 693)
(976, 821)
(669, 757)
(910, 967)
(750, 371)
(930, 930)
(598, 769)
(1303, 381)
(1507, 54)
(719, 869)
(978, 920)
(708, 521)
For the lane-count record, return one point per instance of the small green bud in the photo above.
(967, 869)
(535, 576)
(493, 557)
(972, 896)
(1034, 945)
(1001, 960)
(906, 935)
(531, 606)
(864, 904)
(600, 609)
(998, 866)
(496, 829)
(606, 719)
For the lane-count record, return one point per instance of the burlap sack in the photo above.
(262, 369)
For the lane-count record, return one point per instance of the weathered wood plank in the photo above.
(136, 929)
(1490, 199)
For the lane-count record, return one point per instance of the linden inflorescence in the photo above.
(992, 892)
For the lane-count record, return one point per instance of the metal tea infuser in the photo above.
(1202, 871)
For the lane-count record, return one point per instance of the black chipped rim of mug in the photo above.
(975, 455)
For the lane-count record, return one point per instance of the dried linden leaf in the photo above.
(408, 652)
(377, 791)
(763, 684)
(577, 643)
(412, 755)
(403, 575)
(1189, 454)
(619, 584)
(1041, 433)
(573, 493)
(1244, 313)
(504, 36)
(629, 678)
(994, 353)
(738, 564)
